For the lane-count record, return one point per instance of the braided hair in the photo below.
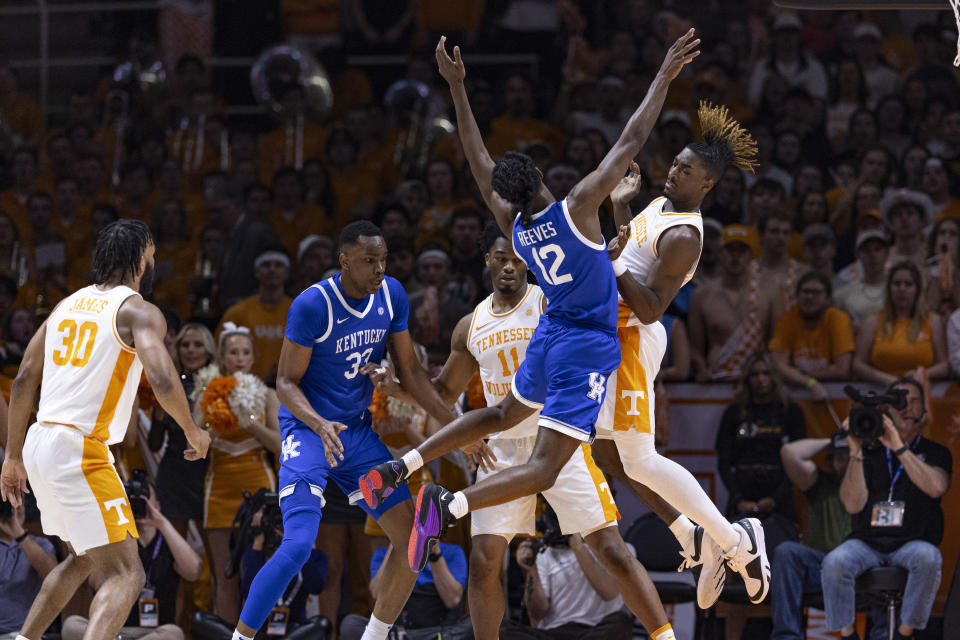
(120, 246)
(725, 141)
(517, 180)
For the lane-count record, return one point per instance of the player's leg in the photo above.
(226, 590)
(583, 503)
(741, 543)
(379, 481)
(437, 508)
(639, 592)
(301, 518)
(397, 580)
(608, 458)
(56, 591)
(485, 590)
(123, 579)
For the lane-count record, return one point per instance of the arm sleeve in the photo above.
(307, 319)
(841, 333)
(796, 422)
(401, 306)
(456, 561)
(315, 572)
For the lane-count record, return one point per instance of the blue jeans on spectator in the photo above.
(842, 566)
(795, 571)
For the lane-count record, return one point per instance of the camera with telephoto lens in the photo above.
(244, 531)
(866, 421)
(548, 526)
(138, 490)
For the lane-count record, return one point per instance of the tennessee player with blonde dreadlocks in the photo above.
(657, 253)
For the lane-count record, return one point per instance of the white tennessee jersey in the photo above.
(645, 231)
(90, 377)
(498, 342)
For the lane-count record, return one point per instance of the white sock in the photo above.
(20, 637)
(676, 485)
(376, 629)
(413, 461)
(458, 507)
(683, 530)
(236, 636)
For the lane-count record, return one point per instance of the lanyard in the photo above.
(291, 592)
(156, 552)
(896, 476)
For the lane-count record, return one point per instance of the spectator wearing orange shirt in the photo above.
(23, 170)
(903, 335)
(21, 113)
(265, 313)
(292, 218)
(517, 128)
(813, 341)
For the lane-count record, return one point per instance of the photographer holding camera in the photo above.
(166, 558)
(568, 594)
(892, 487)
(24, 561)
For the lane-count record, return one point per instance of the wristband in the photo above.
(811, 383)
(901, 450)
(433, 557)
(21, 537)
(618, 267)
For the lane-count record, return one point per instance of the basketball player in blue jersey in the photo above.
(337, 331)
(574, 347)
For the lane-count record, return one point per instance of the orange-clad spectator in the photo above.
(94, 179)
(46, 251)
(356, 188)
(81, 136)
(446, 16)
(204, 295)
(244, 144)
(265, 313)
(291, 217)
(135, 195)
(903, 335)
(80, 267)
(60, 159)
(936, 184)
(412, 194)
(22, 115)
(316, 186)
(943, 260)
(907, 213)
(71, 217)
(13, 260)
(23, 170)
(174, 256)
(517, 128)
(172, 184)
(296, 139)
(444, 196)
(315, 256)
(813, 341)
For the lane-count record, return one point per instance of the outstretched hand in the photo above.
(629, 186)
(451, 69)
(680, 53)
(616, 245)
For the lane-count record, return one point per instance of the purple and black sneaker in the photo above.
(430, 522)
(377, 484)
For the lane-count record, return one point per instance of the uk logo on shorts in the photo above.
(289, 449)
(598, 384)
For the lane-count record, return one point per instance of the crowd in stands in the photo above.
(838, 259)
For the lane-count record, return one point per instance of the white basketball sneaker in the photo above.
(704, 558)
(750, 559)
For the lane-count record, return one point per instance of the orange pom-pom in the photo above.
(148, 400)
(216, 406)
(378, 407)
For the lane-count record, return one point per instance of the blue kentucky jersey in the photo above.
(344, 334)
(575, 274)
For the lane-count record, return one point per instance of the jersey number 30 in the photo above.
(77, 344)
(552, 276)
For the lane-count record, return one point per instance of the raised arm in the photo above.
(148, 327)
(796, 457)
(585, 198)
(626, 190)
(481, 164)
(23, 396)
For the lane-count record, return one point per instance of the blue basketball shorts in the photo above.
(565, 375)
(304, 470)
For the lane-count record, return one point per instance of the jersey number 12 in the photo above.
(552, 276)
